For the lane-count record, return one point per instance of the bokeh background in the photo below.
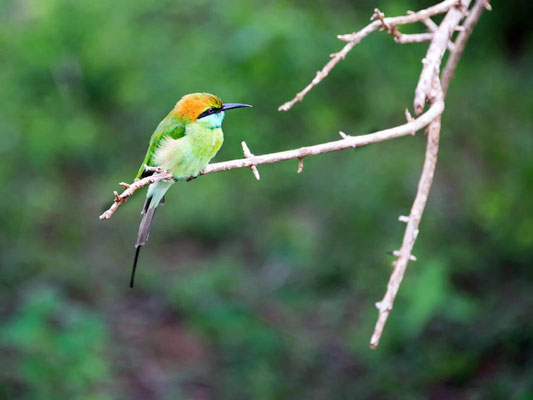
(259, 290)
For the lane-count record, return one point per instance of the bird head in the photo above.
(204, 108)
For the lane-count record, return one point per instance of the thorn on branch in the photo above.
(381, 306)
(300, 165)
(487, 5)
(451, 46)
(403, 218)
(410, 119)
(347, 37)
(343, 135)
(396, 253)
(248, 154)
(285, 106)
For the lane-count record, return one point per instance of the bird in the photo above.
(183, 143)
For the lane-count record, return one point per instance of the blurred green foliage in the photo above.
(56, 348)
(261, 290)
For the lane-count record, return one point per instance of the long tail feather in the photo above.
(153, 200)
(146, 205)
(144, 228)
(132, 278)
(142, 237)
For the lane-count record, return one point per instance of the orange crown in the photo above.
(192, 105)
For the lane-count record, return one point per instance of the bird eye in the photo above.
(211, 111)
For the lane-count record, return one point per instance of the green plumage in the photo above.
(170, 126)
(184, 142)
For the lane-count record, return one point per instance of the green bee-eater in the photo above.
(183, 143)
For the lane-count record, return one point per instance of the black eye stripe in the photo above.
(209, 111)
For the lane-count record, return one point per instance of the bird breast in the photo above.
(187, 156)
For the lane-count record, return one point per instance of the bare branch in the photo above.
(435, 53)
(248, 154)
(433, 93)
(404, 38)
(159, 175)
(354, 38)
(432, 27)
(349, 142)
(411, 232)
(399, 37)
(385, 26)
(460, 42)
(410, 18)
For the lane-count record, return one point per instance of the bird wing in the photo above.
(169, 127)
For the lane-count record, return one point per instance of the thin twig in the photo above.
(411, 231)
(432, 60)
(405, 38)
(354, 38)
(426, 179)
(460, 42)
(159, 175)
(349, 142)
(248, 154)
(399, 37)
(432, 27)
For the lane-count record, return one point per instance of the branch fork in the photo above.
(248, 154)
(385, 26)
(429, 90)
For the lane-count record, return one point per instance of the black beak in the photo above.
(229, 106)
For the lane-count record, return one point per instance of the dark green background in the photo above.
(260, 290)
